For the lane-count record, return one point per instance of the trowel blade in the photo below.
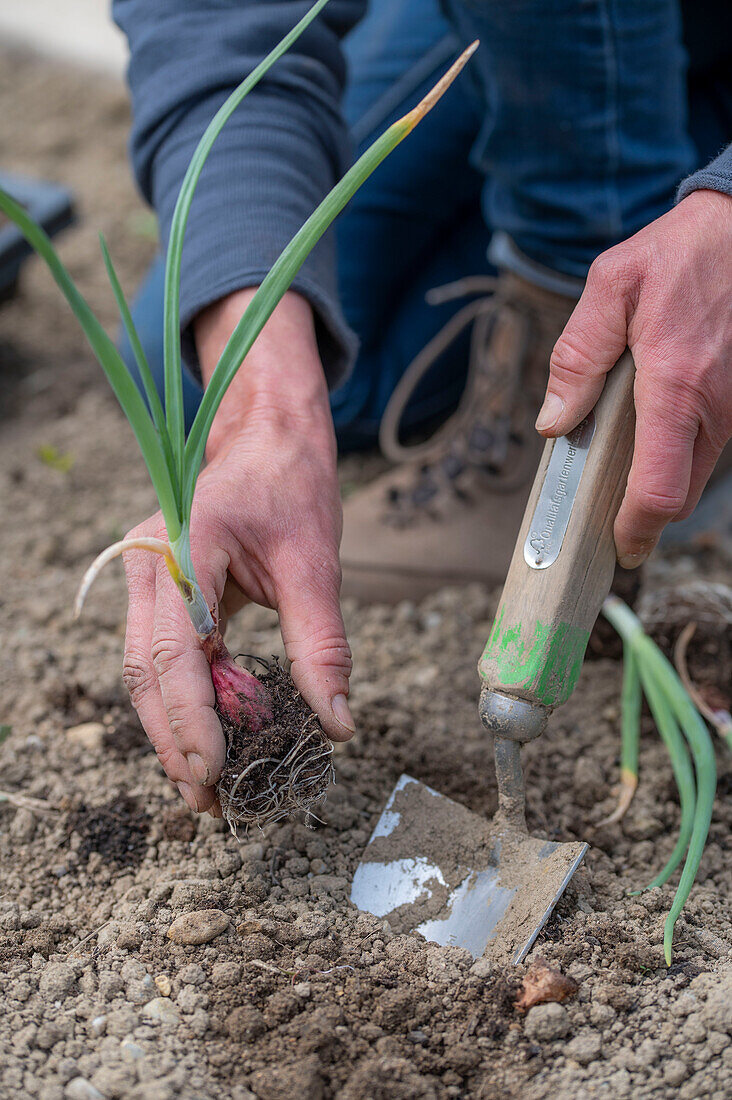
(431, 866)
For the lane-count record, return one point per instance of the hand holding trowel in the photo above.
(435, 867)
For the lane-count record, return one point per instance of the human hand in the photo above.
(665, 293)
(265, 527)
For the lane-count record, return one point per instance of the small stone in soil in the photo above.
(585, 1047)
(200, 926)
(90, 735)
(161, 1008)
(546, 1022)
(81, 1089)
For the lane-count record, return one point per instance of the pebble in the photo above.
(585, 1047)
(255, 851)
(163, 985)
(98, 1025)
(81, 1089)
(417, 1037)
(546, 1022)
(23, 825)
(90, 735)
(161, 1008)
(200, 926)
(482, 968)
(302, 989)
(130, 1051)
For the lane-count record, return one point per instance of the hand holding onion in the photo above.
(265, 527)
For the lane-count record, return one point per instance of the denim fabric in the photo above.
(584, 137)
(567, 133)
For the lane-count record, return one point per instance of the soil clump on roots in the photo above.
(280, 769)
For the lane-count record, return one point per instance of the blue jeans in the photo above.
(567, 133)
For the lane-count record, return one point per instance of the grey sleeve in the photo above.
(717, 176)
(277, 156)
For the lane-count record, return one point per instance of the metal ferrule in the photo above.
(512, 719)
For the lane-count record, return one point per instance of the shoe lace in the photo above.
(481, 430)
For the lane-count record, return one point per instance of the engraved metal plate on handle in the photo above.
(556, 499)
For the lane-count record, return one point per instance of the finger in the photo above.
(142, 682)
(187, 691)
(233, 599)
(593, 340)
(315, 642)
(660, 474)
(706, 454)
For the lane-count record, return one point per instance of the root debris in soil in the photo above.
(279, 770)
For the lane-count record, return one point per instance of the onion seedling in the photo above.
(680, 725)
(273, 774)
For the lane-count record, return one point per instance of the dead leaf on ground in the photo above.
(543, 983)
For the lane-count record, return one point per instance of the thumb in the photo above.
(315, 643)
(593, 340)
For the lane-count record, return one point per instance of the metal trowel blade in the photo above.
(433, 867)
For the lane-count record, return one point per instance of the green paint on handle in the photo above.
(544, 663)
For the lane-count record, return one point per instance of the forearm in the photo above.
(282, 374)
(274, 161)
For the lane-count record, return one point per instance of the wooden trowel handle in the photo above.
(563, 563)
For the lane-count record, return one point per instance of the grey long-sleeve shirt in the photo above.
(273, 162)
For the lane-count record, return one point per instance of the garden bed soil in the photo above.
(298, 995)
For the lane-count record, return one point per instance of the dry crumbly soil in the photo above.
(301, 995)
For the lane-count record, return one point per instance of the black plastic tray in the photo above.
(48, 203)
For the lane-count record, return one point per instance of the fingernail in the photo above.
(199, 769)
(186, 793)
(342, 712)
(549, 412)
(632, 561)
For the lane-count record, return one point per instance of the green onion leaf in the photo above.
(171, 337)
(280, 276)
(148, 382)
(109, 359)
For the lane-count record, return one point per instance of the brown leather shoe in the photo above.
(450, 511)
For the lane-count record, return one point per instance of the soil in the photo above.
(117, 832)
(301, 995)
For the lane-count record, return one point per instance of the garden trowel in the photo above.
(431, 865)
